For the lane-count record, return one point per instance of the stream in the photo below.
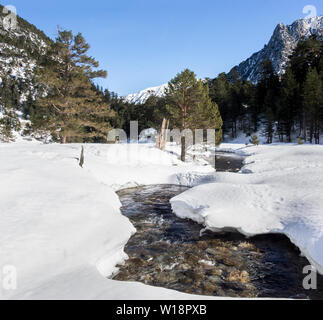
(172, 253)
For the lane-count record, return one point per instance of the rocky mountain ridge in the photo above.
(279, 48)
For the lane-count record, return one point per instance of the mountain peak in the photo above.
(280, 46)
(142, 96)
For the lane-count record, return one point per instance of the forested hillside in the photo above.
(21, 49)
(286, 108)
(67, 106)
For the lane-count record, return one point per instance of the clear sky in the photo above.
(144, 43)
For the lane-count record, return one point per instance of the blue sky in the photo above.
(145, 43)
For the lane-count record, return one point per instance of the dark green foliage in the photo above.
(21, 47)
(149, 114)
(313, 104)
(190, 106)
(9, 122)
(288, 106)
(234, 99)
(70, 105)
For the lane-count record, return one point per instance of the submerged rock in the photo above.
(242, 276)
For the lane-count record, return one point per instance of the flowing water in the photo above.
(173, 253)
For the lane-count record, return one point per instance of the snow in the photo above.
(62, 228)
(208, 263)
(279, 191)
(280, 47)
(148, 136)
(61, 225)
(142, 96)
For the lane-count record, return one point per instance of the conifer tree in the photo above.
(69, 103)
(289, 104)
(190, 106)
(313, 102)
(268, 95)
(9, 122)
(220, 94)
(206, 115)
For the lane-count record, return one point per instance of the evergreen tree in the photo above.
(306, 55)
(268, 96)
(289, 105)
(69, 103)
(206, 115)
(190, 106)
(9, 122)
(313, 102)
(220, 94)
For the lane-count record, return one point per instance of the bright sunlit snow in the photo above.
(61, 225)
(280, 192)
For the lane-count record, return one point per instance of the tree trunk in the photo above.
(82, 158)
(304, 129)
(183, 153)
(64, 140)
(317, 132)
(161, 142)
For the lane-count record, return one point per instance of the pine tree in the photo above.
(206, 115)
(313, 101)
(190, 106)
(307, 55)
(268, 96)
(289, 104)
(69, 104)
(9, 122)
(220, 94)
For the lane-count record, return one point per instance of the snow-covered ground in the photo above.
(61, 226)
(280, 192)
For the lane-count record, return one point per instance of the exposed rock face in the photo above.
(278, 50)
(280, 47)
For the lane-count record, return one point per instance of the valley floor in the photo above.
(62, 228)
(280, 191)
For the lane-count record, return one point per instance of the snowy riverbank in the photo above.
(62, 228)
(281, 193)
(61, 225)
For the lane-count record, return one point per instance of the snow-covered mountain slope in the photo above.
(142, 96)
(280, 47)
(21, 47)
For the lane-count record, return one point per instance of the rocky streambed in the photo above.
(173, 253)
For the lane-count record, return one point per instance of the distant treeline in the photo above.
(283, 107)
(65, 102)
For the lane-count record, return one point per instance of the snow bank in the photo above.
(281, 194)
(61, 225)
